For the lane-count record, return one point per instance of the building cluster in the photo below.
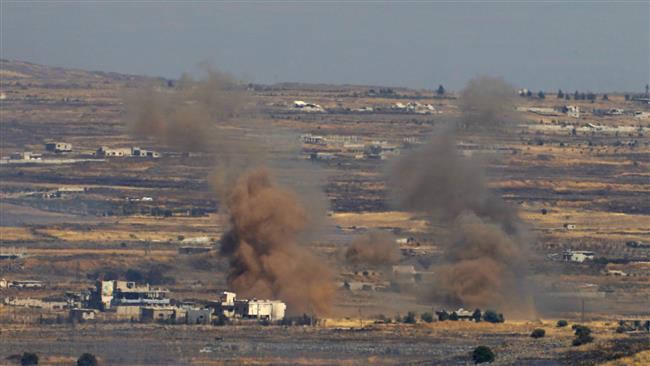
(307, 107)
(349, 146)
(135, 151)
(133, 301)
(414, 107)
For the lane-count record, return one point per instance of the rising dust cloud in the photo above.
(376, 248)
(262, 245)
(487, 248)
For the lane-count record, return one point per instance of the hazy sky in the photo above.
(540, 45)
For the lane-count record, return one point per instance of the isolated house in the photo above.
(577, 256)
(58, 147)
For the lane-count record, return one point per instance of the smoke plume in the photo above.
(376, 248)
(486, 250)
(267, 223)
(185, 115)
(265, 258)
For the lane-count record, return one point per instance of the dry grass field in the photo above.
(594, 177)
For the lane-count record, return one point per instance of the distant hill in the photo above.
(13, 69)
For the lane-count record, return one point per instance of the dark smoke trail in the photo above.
(487, 249)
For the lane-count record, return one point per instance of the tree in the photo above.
(647, 89)
(541, 95)
(87, 359)
(627, 96)
(576, 95)
(529, 93)
(443, 315)
(538, 333)
(562, 323)
(583, 335)
(441, 90)
(453, 316)
(477, 315)
(482, 354)
(427, 317)
(560, 94)
(410, 318)
(29, 358)
(605, 97)
(493, 317)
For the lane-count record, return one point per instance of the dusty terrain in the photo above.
(592, 172)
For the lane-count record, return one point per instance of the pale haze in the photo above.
(595, 46)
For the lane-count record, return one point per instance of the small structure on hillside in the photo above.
(230, 307)
(58, 147)
(578, 256)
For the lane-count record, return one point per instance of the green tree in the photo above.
(410, 318)
(583, 335)
(477, 315)
(427, 317)
(441, 90)
(493, 317)
(29, 358)
(482, 354)
(541, 95)
(560, 94)
(87, 359)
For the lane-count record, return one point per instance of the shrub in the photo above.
(482, 354)
(453, 316)
(427, 317)
(477, 315)
(621, 329)
(562, 323)
(538, 333)
(580, 340)
(443, 315)
(87, 359)
(410, 318)
(583, 335)
(29, 358)
(493, 317)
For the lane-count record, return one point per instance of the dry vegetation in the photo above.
(595, 180)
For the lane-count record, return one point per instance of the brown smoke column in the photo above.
(265, 258)
(376, 248)
(266, 222)
(487, 249)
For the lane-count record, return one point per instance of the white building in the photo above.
(58, 147)
(578, 256)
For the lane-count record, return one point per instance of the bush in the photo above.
(493, 317)
(538, 333)
(453, 316)
(583, 335)
(87, 359)
(427, 317)
(621, 329)
(443, 315)
(477, 315)
(410, 318)
(562, 323)
(580, 340)
(482, 354)
(29, 358)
